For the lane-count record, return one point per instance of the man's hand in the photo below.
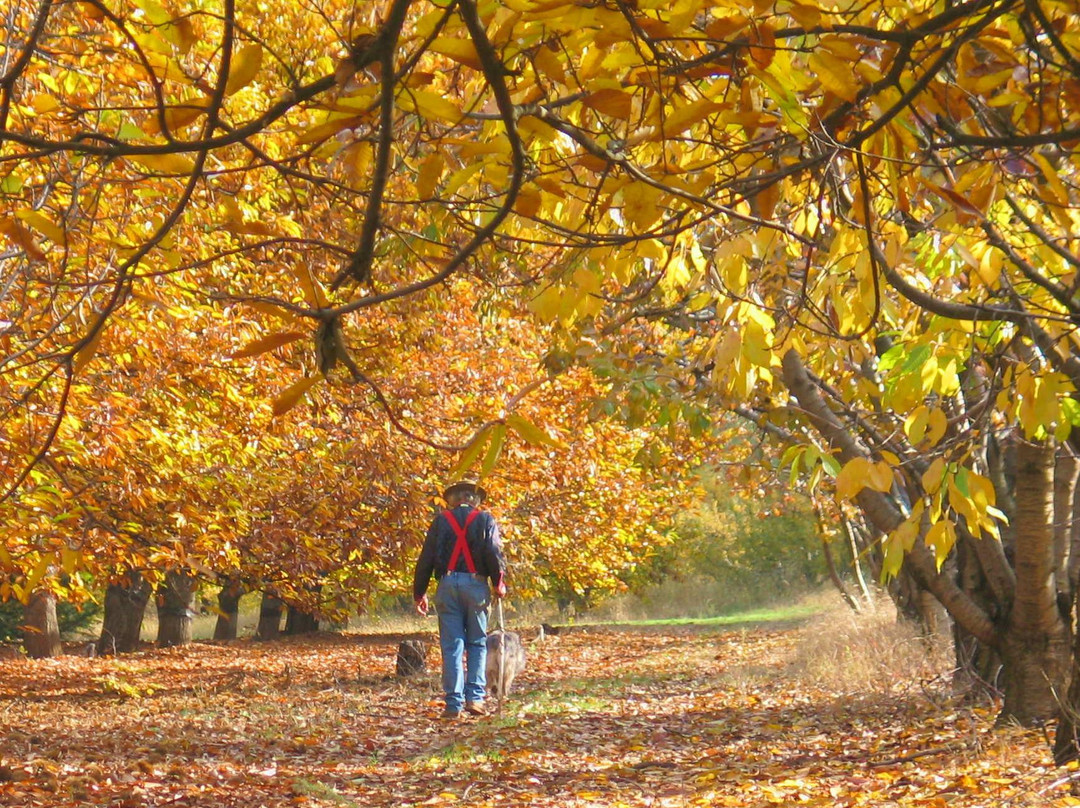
(500, 589)
(422, 606)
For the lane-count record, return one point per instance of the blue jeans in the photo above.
(461, 601)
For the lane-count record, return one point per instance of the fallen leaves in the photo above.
(600, 719)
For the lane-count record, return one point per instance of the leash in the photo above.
(502, 654)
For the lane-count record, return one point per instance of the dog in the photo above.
(504, 645)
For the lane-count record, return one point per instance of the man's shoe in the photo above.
(450, 713)
(475, 708)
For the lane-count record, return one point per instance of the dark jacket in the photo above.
(484, 544)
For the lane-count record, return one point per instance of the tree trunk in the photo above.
(269, 617)
(1035, 644)
(125, 605)
(300, 622)
(881, 511)
(1066, 473)
(1073, 569)
(978, 664)
(175, 602)
(228, 610)
(41, 632)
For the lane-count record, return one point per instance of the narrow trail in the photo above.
(601, 718)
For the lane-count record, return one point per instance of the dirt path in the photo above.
(601, 718)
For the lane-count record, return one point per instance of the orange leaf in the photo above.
(612, 102)
(267, 343)
(21, 237)
(292, 395)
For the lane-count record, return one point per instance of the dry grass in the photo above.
(869, 652)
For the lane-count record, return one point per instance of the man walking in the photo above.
(463, 551)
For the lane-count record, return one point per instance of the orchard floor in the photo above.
(601, 718)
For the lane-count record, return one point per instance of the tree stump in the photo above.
(411, 658)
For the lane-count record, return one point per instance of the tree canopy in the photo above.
(852, 223)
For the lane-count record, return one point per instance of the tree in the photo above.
(703, 199)
(41, 632)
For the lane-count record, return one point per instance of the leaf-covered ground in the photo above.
(603, 718)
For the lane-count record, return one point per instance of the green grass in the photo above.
(778, 614)
(321, 791)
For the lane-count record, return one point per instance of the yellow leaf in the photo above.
(807, 16)
(43, 103)
(69, 559)
(43, 225)
(527, 203)
(268, 343)
(36, 574)
(612, 102)
(852, 478)
(915, 424)
(430, 105)
(941, 536)
(461, 51)
(292, 395)
(314, 295)
(834, 74)
(757, 344)
(547, 60)
(164, 163)
(327, 129)
(530, 432)
(495, 446)
(356, 159)
(641, 205)
(244, 67)
(86, 353)
(880, 477)
(178, 31)
(934, 476)
(427, 178)
(460, 177)
(179, 116)
(842, 47)
(938, 424)
(471, 452)
(683, 118)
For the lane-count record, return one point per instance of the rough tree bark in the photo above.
(125, 605)
(41, 632)
(300, 622)
(228, 610)
(1027, 629)
(175, 608)
(1035, 644)
(269, 617)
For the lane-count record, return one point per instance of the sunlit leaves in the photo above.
(244, 67)
(268, 343)
(859, 473)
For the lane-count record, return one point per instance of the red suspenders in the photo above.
(461, 545)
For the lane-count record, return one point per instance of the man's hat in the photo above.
(465, 487)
